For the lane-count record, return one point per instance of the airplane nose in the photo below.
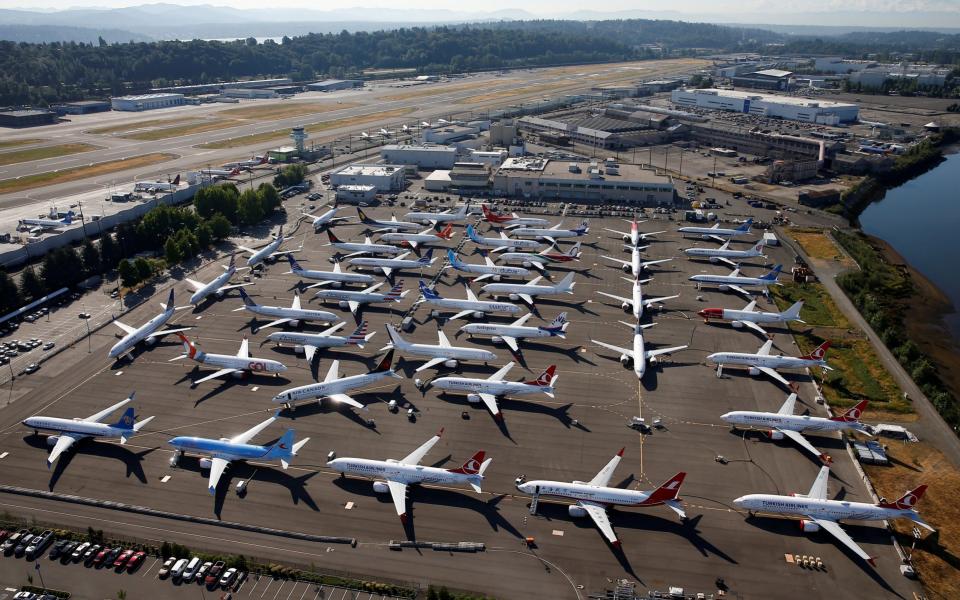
(739, 502)
(725, 416)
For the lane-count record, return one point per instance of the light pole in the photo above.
(681, 162)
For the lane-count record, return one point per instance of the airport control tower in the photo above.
(299, 136)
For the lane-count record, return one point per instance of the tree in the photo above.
(109, 252)
(220, 227)
(9, 294)
(171, 251)
(129, 276)
(204, 236)
(31, 286)
(269, 197)
(91, 258)
(143, 267)
(249, 208)
(217, 199)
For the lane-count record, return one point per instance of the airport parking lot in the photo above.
(566, 438)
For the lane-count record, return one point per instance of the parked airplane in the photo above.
(552, 234)
(153, 187)
(334, 387)
(327, 219)
(736, 282)
(394, 476)
(493, 387)
(724, 254)
(237, 365)
(513, 220)
(748, 317)
(293, 315)
(486, 270)
(634, 237)
(354, 299)
(447, 216)
(594, 496)
(816, 512)
(148, 333)
(309, 343)
(44, 224)
(509, 334)
(785, 423)
(256, 161)
(357, 248)
(218, 286)
(441, 353)
(220, 173)
(636, 303)
(470, 306)
(388, 265)
(718, 233)
(70, 431)
(218, 454)
(428, 236)
(636, 265)
(539, 260)
(527, 291)
(502, 242)
(764, 362)
(335, 278)
(392, 225)
(639, 356)
(271, 250)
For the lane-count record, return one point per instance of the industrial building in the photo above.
(493, 158)
(874, 76)
(836, 64)
(146, 102)
(82, 107)
(768, 79)
(427, 156)
(249, 93)
(385, 178)
(332, 85)
(611, 130)
(444, 134)
(597, 182)
(206, 88)
(27, 118)
(758, 143)
(282, 154)
(785, 107)
(355, 194)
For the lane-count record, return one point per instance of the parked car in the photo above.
(121, 561)
(32, 368)
(190, 571)
(176, 572)
(22, 544)
(67, 553)
(213, 573)
(134, 562)
(79, 551)
(164, 571)
(201, 575)
(49, 346)
(91, 553)
(57, 550)
(241, 577)
(228, 577)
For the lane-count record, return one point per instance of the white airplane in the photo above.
(148, 333)
(256, 161)
(736, 282)
(385, 132)
(45, 224)
(528, 291)
(309, 343)
(552, 234)
(388, 265)
(334, 278)
(633, 237)
(502, 242)
(511, 221)
(293, 315)
(784, 423)
(540, 259)
(335, 388)
(414, 240)
(271, 250)
(486, 270)
(764, 362)
(157, 186)
(394, 476)
(718, 233)
(724, 254)
(219, 453)
(327, 219)
(218, 286)
(636, 302)
(357, 248)
(509, 334)
(816, 512)
(230, 364)
(220, 173)
(441, 353)
(470, 306)
(70, 431)
(639, 356)
(636, 265)
(429, 218)
(364, 135)
(354, 299)
(493, 387)
(392, 225)
(748, 317)
(594, 496)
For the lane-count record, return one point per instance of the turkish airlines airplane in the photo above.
(493, 387)
(501, 243)
(485, 271)
(764, 362)
(552, 234)
(148, 333)
(784, 423)
(636, 265)
(528, 291)
(816, 512)
(748, 317)
(293, 315)
(736, 282)
(70, 431)
(218, 286)
(334, 387)
(357, 248)
(509, 334)
(470, 306)
(540, 259)
(636, 303)
(335, 278)
(638, 356)
(309, 343)
(220, 173)
(414, 240)
(725, 255)
(236, 365)
(355, 299)
(441, 353)
(327, 219)
(271, 250)
(718, 233)
(392, 225)
(594, 496)
(394, 476)
(634, 237)
(513, 220)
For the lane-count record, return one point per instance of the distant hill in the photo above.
(37, 34)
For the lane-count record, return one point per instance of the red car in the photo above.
(100, 556)
(121, 560)
(136, 560)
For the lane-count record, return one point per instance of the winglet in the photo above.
(620, 454)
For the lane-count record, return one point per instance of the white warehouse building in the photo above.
(385, 178)
(426, 156)
(146, 101)
(785, 107)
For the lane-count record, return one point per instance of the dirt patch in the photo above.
(104, 168)
(283, 111)
(20, 156)
(817, 244)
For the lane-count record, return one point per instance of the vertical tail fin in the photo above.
(852, 414)
(385, 364)
(294, 265)
(906, 501)
(247, 300)
(333, 238)
(472, 233)
(169, 305)
(447, 232)
(758, 248)
(188, 348)
(176, 180)
(283, 448)
(574, 252)
(557, 324)
(359, 334)
(545, 378)
(363, 216)
(819, 352)
(426, 258)
(394, 335)
(668, 491)
(566, 284)
(126, 419)
(472, 465)
(428, 294)
(773, 274)
(395, 292)
(794, 311)
(746, 225)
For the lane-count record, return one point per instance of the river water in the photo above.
(921, 220)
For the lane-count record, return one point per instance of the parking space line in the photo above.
(290, 593)
(254, 588)
(150, 568)
(269, 583)
(306, 588)
(319, 589)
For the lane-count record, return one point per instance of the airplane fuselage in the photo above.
(144, 332)
(260, 255)
(711, 231)
(353, 296)
(475, 305)
(722, 280)
(390, 263)
(450, 352)
(511, 289)
(394, 471)
(764, 360)
(315, 391)
(492, 270)
(742, 315)
(832, 510)
(717, 252)
(295, 314)
(228, 361)
(585, 492)
(82, 428)
(219, 448)
(212, 287)
(308, 339)
(506, 243)
(800, 423)
(420, 238)
(533, 232)
(371, 248)
(514, 331)
(342, 277)
(467, 385)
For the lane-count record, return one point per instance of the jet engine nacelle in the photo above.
(497, 278)
(514, 297)
(299, 349)
(626, 239)
(737, 324)
(477, 314)
(205, 463)
(295, 323)
(473, 398)
(451, 364)
(653, 360)
(220, 293)
(150, 341)
(527, 263)
(754, 371)
(627, 307)
(239, 374)
(497, 339)
(52, 440)
(381, 487)
(714, 259)
(775, 435)
(704, 237)
(343, 304)
(336, 284)
(723, 287)
(576, 511)
(808, 526)
(627, 268)
(625, 360)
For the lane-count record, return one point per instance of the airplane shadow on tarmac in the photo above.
(508, 405)
(306, 409)
(221, 385)
(132, 460)
(828, 445)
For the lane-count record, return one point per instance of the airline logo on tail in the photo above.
(491, 216)
(294, 265)
(333, 238)
(359, 334)
(385, 363)
(447, 232)
(472, 234)
(907, 501)
(246, 299)
(396, 291)
(426, 258)
(819, 352)
(545, 378)
(452, 257)
(364, 218)
(772, 275)
(584, 227)
(668, 491)
(746, 225)
(472, 466)
(427, 292)
(126, 419)
(557, 325)
(853, 414)
(188, 346)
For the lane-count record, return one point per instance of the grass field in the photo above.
(15, 143)
(430, 89)
(817, 244)
(41, 152)
(283, 111)
(104, 168)
(179, 130)
(139, 125)
(818, 310)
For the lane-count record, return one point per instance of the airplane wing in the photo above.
(217, 467)
(219, 373)
(773, 373)
(738, 289)
(64, 441)
(244, 351)
(461, 314)
(651, 353)
(519, 322)
(834, 529)
(749, 307)
(614, 348)
(617, 260)
(251, 433)
(788, 405)
(245, 249)
(765, 348)
(617, 232)
(125, 328)
(599, 515)
(398, 491)
(482, 277)
(652, 301)
(718, 238)
(417, 455)
(97, 417)
(232, 286)
(818, 491)
(526, 298)
(490, 401)
(649, 263)
(166, 331)
(430, 364)
(726, 261)
(275, 323)
(499, 375)
(537, 266)
(345, 399)
(549, 239)
(801, 441)
(196, 285)
(620, 298)
(602, 478)
(511, 343)
(333, 372)
(443, 339)
(755, 327)
(309, 352)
